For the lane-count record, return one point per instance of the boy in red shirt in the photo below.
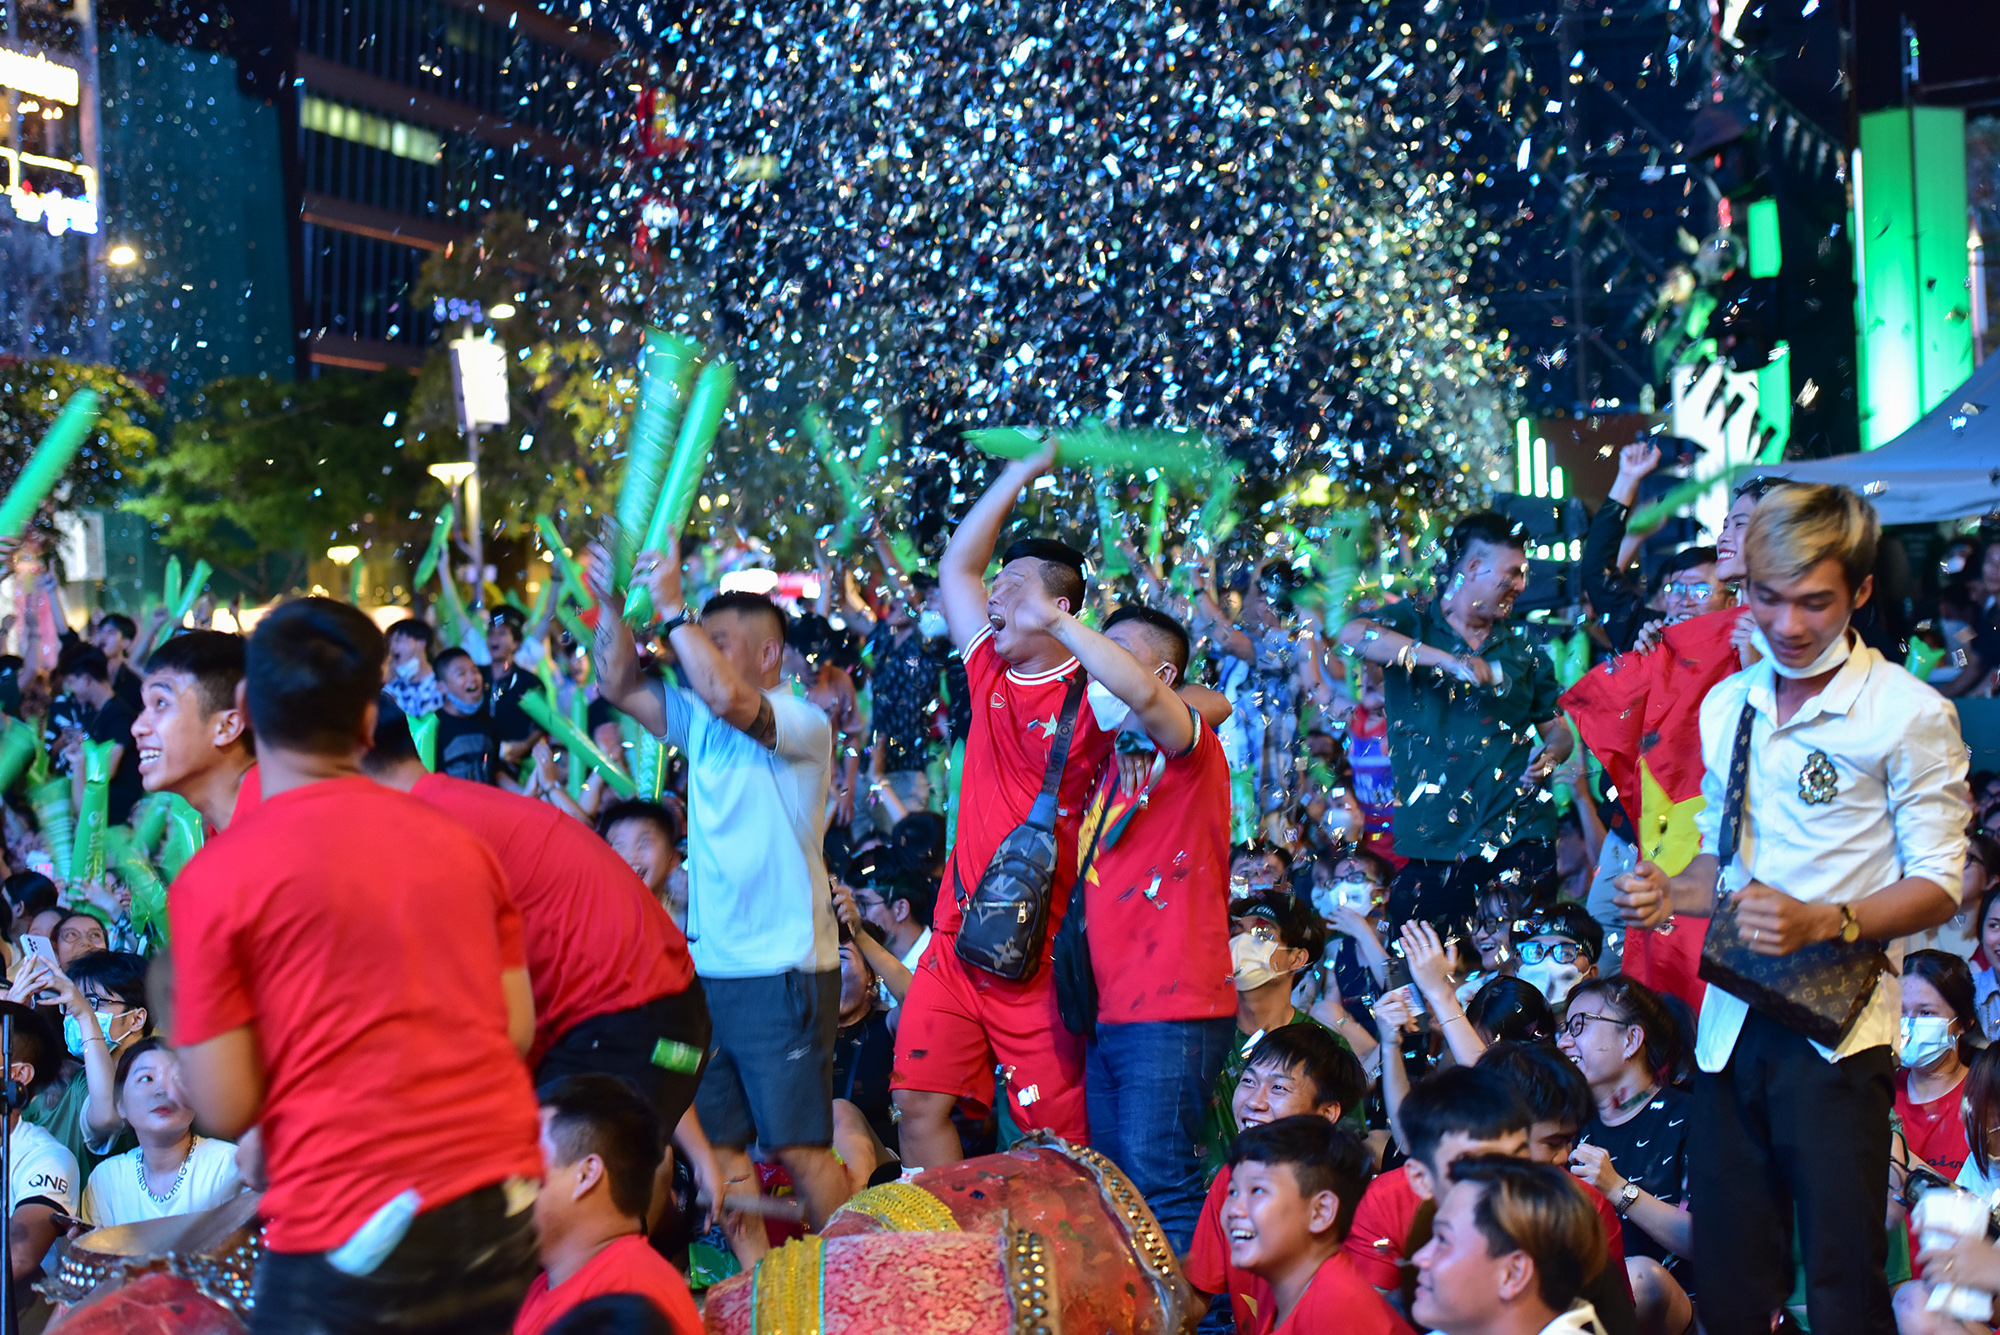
(1292, 1188)
(350, 977)
(960, 1020)
(601, 1142)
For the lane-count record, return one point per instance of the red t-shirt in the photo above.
(1388, 1212)
(1156, 901)
(248, 797)
(362, 935)
(627, 1265)
(1339, 1298)
(1006, 756)
(1935, 1130)
(597, 941)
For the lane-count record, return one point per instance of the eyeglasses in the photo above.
(1489, 926)
(1573, 1026)
(1682, 589)
(1562, 952)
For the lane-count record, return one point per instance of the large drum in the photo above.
(1110, 1268)
(191, 1274)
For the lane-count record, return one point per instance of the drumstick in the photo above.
(771, 1207)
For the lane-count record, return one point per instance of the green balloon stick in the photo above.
(440, 541)
(1156, 522)
(44, 468)
(574, 582)
(536, 707)
(835, 461)
(1185, 456)
(171, 592)
(18, 748)
(1110, 533)
(87, 849)
(424, 732)
(706, 405)
(197, 579)
(666, 366)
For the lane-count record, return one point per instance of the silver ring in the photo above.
(1753, 933)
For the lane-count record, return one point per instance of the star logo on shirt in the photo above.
(1048, 728)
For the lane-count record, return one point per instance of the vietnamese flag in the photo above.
(1640, 716)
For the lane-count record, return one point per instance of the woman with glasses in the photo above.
(1634, 1150)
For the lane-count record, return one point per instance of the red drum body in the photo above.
(159, 1303)
(1082, 1254)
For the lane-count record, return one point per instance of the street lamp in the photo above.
(122, 255)
(349, 558)
(455, 476)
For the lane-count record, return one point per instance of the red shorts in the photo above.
(959, 1022)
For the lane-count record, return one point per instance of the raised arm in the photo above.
(711, 676)
(1390, 647)
(1162, 714)
(615, 656)
(962, 569)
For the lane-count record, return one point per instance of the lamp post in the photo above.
(454, 476)
(479, 385)
(348, 558)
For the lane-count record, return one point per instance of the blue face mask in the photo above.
(73, 1031)
(931, 624)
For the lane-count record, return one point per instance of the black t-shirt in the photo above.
(863, 1053)
(503, 697)
(465, 746)
(65, 712)
(125, 685)
(113, 723)
(1651, 1149)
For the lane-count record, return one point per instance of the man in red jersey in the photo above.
(959, 1020)
(614, 987)
(1155, 852)
(350, 977)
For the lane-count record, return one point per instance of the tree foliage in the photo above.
(270, 466)
(33, 392)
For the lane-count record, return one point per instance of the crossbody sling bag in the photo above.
(1818, 990)
(1002, 920)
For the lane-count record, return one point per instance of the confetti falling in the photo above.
(1233, 221)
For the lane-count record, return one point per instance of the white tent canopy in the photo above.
(1946, 466)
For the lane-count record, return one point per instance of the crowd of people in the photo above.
(1411, 986)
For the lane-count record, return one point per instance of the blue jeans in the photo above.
(1146, 1089)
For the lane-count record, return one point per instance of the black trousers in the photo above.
(1782, 1135)
(1439, 891)
(660, 1047)
(462, 1269)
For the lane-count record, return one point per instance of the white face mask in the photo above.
(407, 669)
(1830, 658)
(1108, 708)
(1252, 959)
(1551, 979)
(931, 624)
(1925, 1039)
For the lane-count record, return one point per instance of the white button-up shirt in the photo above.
(1897, 809)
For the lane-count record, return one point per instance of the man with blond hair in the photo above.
(1512, 1247)
(1835, 813)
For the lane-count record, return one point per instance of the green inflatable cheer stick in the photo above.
(191, 590)
(86, 858)
(1110, 533)
(666, 367)
(455, 620)
(149, 821)
(44, 468)
(439, 544)
(149, 893)
(579, 768)
(424, 732)
(1156, 522)
(1921, 661)
(836, 463)
(50, 802)
(1218, 516)
(170, 594)
(649, 760)
(710, 400)
(574, 584)
(357, 578)
(185, 835)
(18, 748)
(1182, 455)
(555, 725)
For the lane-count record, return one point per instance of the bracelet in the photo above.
(1447, 1019)
(1406, 657)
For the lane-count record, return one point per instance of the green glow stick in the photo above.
(712, 393)
(1922, 660)
(424, 732)
(185, 835)
(1156, 523)
(542, 598)
(455, 621)
(86, 858)
(1110, 530)
(555, 725)
(149, 893)
(579, 768)
(50, 802)
(38, 477)
(357, 577)
(18, 747)
(190, 591)
(1185, 456)
(1218, 516)
(440, 542)
(1651, 516)
(835, 462)
(171, 594)
(575, 584)
(666, 366)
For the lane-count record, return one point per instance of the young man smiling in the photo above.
(193, 731)
(1512, 1251)
(1845, 820)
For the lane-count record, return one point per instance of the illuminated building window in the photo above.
(397, 137)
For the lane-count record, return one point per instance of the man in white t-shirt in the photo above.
(43, 1176)
(760, 922)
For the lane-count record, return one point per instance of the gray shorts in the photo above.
(770, 1065)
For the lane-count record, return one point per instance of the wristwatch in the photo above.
(1850, 926)
(675, 622)
(1626, 1195)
